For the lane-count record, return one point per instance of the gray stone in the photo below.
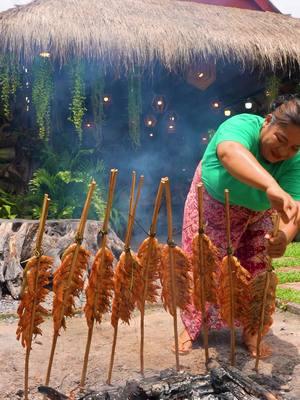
(18, 239)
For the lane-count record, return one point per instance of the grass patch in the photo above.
(293, 250)
(288, 295)
(291, 257)
(285, 277)
(286, 262)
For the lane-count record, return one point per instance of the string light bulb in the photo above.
(159, 103)
(248, 104)
(215, 105)
(172, 117)
(45, 54)
(106, 99)
(150, 121)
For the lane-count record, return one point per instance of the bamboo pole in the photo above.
(111, 190)
(172, 265)
(38, 257)
(152, 234)
(78, 239)
(263, 307)
(130, 222)
(229, 259)
(202, 272)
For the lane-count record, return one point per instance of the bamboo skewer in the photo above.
(112, 185)
(263, 307)
(78, 240)
(152, 234)
(38, 256)
(202, 272)
(171, 245)
(132, 210)
(232, 302)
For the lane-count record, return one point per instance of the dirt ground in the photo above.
(281, 372)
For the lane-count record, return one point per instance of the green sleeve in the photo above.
(241, 129)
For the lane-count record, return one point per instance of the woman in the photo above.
(257, 159)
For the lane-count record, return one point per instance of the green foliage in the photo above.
(65, 179)
(77, 107)
(42, 94)
(134, 107)
(7, 205)
(9, 82)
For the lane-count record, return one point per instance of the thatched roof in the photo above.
(125, 31)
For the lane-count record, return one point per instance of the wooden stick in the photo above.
(38, 256)
(131, 200)
(263, 307)
(202, 273)
(166, 183)
(112, 355)
(112, 185)
(130, 222)
(229, 258)
(78, 239)
(133, 211)
(152, 234)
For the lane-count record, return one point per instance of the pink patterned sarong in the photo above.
(248, 229)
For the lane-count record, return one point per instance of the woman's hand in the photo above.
(284, 204)
(276, 245)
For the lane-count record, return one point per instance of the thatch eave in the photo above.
(124, 32)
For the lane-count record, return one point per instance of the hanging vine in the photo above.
(15, 77)
(272, 89)
(9, 82)
(77, 106)
(5, 87)
(42, 94)
(134, 106)
(97, 93)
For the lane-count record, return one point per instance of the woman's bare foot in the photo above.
(251, 342)
(185, 343)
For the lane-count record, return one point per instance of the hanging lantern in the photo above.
(227, 112)
(150, 121)
(159, 104)
(202, 75)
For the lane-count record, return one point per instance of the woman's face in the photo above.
(279, 142)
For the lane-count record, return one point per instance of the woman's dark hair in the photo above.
(286, 110)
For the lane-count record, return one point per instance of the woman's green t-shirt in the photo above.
(245, 129)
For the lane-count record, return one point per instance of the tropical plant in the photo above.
(7, 205)
(65, 178)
